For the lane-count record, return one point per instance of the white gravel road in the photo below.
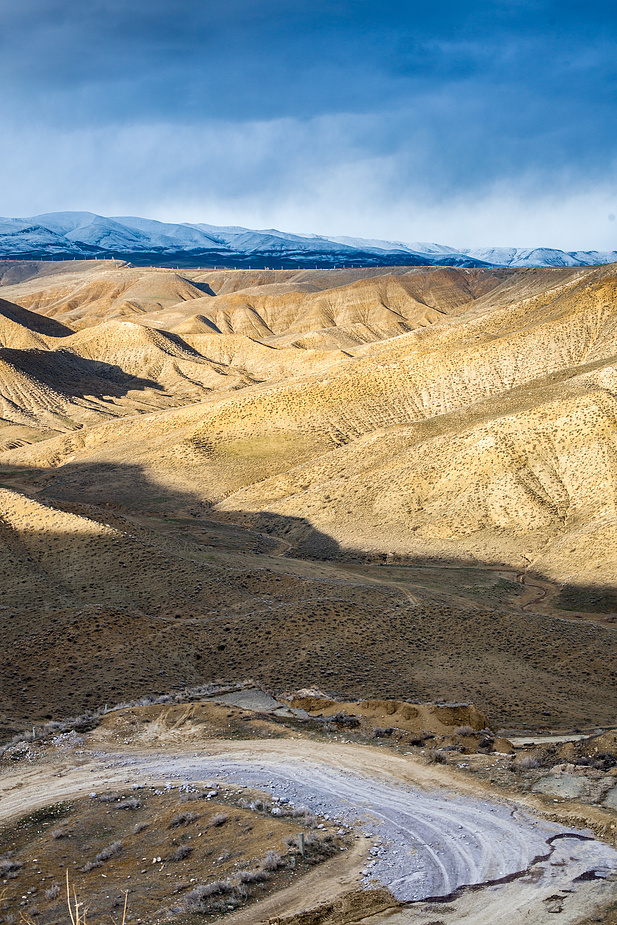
(429, 844)
(484, 861)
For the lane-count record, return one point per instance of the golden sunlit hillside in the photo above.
(306, 458)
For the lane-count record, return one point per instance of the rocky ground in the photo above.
(196, 810)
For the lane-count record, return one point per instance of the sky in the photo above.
(467, 122)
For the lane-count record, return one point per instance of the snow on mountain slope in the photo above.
(539, 257)
(416, 248)
(176, 236)
(85, 234)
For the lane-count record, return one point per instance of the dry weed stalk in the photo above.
(78, 913)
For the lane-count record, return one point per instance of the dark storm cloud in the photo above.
(439, 99)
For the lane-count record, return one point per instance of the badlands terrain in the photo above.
(390, 485)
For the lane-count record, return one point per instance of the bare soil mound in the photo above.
(15, 319)
(442, 719)
(176, 855)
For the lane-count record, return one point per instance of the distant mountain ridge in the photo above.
(62, 235)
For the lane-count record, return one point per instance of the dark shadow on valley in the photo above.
(128, 489)
(75, 376)
(162, 592)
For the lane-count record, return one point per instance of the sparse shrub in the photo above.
(197, 899)
(256, 875)
(182, 819)
(463, 731)
(105, 855)
(52, 892)
(58, 834)
(140, 827)
(528, 762)
(272, 861)
(132, 803)
(110, 852)
(295, 813)
(318, 847)
(111, 797)
(605, 761)
(181, 853)
(218, 820)
(181, 887)
(381, 733)
(8, 866)
(347, 720)
(435, 756)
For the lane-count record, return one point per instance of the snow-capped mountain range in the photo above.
(82, 235)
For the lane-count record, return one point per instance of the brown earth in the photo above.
(161, 844)
(66, 769)
(389, 484)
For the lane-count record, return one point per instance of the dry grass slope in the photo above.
(171, 456)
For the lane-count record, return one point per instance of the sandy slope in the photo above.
(491, 436)
(476, 454)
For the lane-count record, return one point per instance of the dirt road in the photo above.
(428, 841)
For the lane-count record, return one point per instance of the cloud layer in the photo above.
(471, 124)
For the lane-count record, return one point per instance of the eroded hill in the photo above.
(292, 429)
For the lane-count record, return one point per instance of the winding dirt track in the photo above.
(429, 842)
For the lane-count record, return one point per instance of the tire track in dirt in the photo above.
(429, 843)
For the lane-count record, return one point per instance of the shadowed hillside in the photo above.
(128, 605)
(476, 438)
(345, 468)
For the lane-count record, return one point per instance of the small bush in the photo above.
(140, 827)
(218, 820)
(256, 875)
(434, 756)
(528, 762)
(381, 733)
(110, 852)
(345, 719)
(182, 819)
(181, 887)
(105, 855)
(463, 731)
(181, 853)
(52, 892)
(196, 900)
(133, 803)
(110, 797)
(320, 848)
(7, 866)
(272, 861)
